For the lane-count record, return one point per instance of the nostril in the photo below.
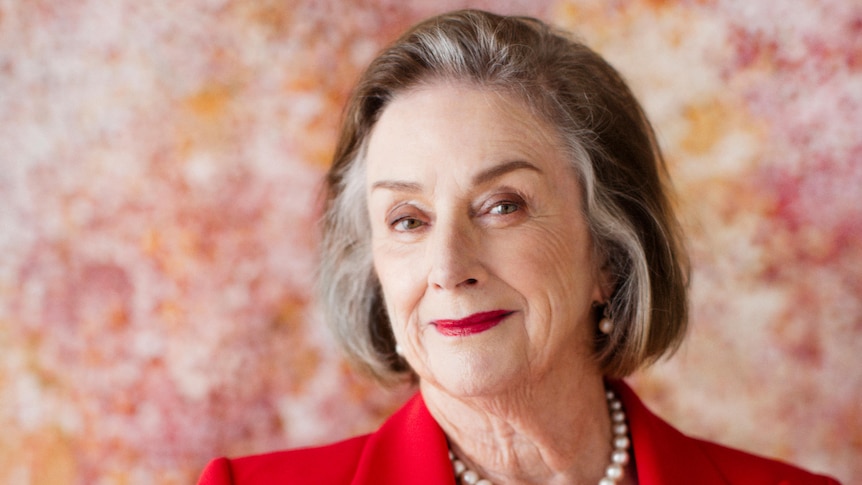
(471, 281)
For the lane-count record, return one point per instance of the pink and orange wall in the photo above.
(160, 165)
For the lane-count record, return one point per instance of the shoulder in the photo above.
(408, 444)
(742, 467)
(664, 455)
(330, 464)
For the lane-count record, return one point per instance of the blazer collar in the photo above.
(662, 454)
(410, 447)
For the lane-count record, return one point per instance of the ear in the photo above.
(606, 282)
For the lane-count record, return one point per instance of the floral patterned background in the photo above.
(160, 165)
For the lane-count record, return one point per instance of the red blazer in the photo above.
(411, 448)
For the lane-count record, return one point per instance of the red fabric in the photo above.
(663, 455)
(411, 448)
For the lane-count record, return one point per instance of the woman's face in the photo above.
(479, 241)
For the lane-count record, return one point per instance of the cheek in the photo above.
(397, 281)
(550, 264)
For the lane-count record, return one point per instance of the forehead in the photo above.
(471, 124)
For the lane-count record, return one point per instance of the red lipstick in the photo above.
(475, 323)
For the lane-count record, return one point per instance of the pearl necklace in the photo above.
(614, 471)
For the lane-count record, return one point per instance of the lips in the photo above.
(475, 323)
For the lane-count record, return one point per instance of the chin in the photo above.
(474, 375)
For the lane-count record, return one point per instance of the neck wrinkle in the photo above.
(542, 434)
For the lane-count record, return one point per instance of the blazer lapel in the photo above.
(409, 448)
(662, 454)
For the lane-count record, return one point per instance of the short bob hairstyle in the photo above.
(612, 148)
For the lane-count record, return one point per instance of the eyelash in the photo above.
(397, 222)
(516, 205)
(514, 200)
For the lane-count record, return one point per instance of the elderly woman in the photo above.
(499, 231)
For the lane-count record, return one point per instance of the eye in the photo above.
(504, 208)
(407, 224)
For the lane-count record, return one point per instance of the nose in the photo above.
(453, 255)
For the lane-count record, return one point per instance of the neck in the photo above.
(551, 431)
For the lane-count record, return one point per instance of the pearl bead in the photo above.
(620, 457)
(621, 442)
(618, 416)
(470, 477)
(614, 472)
(606, 326)
(458, 466)
(484, 482)
(620, 429)
(607, 481)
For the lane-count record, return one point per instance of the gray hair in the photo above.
(611, 146)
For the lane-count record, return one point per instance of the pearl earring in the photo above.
(399, 350)
(606, 324)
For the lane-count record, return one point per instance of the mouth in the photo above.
(475, 323)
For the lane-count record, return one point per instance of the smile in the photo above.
(475, 323)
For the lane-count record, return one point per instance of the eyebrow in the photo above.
(397, 186)
(498, 171)
(481, 178)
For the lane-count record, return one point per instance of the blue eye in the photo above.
(504, 208)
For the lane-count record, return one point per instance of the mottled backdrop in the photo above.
(160, 166)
